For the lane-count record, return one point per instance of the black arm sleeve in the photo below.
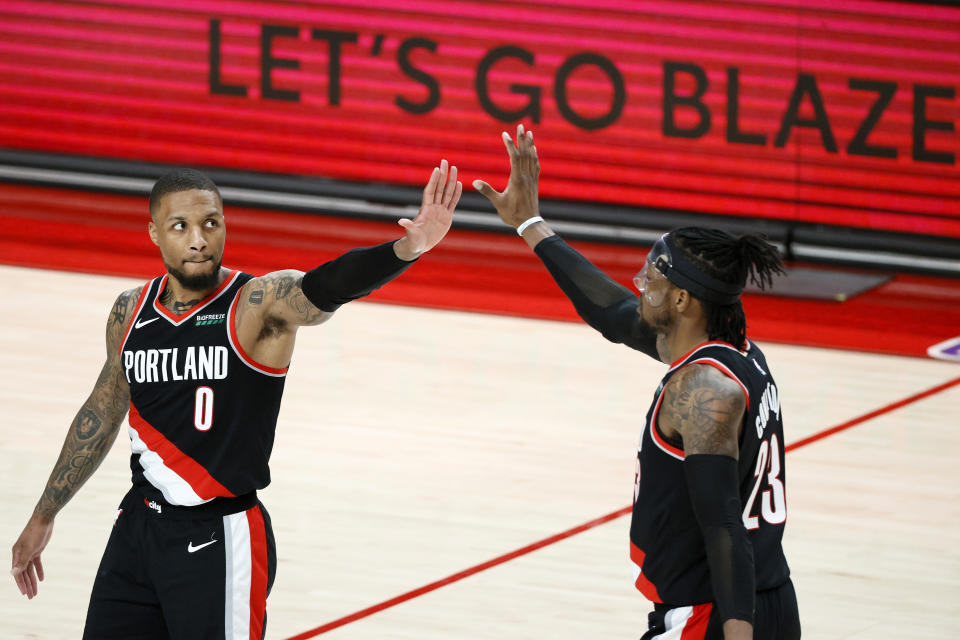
(355, 274)
(712, 480)
(603, 303)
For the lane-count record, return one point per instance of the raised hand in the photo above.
(27, 569)
(519, 201)
(440, 198)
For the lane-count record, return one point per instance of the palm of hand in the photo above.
(440, 198)
(429, 227)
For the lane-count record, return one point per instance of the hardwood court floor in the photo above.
(413, 444)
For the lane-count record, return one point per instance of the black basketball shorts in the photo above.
(184, 573)
(776, 617)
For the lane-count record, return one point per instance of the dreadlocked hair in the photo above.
(181, 180)
(731, 259)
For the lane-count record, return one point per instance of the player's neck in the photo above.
(683, 338)
(178, 298)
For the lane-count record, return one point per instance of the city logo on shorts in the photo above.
(153, 505)
(946, 350)
(211, 318)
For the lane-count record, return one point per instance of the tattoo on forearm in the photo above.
(70, 472)
(88, 424)
(73, 470)
(96, 424)
(83, 451)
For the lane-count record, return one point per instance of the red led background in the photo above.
(380, 90)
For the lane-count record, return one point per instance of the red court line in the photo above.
(872, 414)
(460, 576)
(466, 573)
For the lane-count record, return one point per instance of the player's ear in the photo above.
(152, 230)
(682, 300)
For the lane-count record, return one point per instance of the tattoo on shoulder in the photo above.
(705, 408)
(118, 315)
(309, 314)
(285, 288)
(284, 285)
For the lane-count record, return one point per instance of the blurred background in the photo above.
(830, 127)
(831, 130)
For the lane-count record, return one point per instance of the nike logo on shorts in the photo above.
(191, 548)
(143, 323)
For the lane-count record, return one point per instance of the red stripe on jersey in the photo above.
(695, 627)
(637, 556)
(723, 369)
(659, 439)
(258, 577)
(239, 348)
(178, 319)
(193, 473)
(136, 312)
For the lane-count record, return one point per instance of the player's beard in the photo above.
(199, 281)
(659, 324)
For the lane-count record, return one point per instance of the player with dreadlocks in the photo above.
(710, 489)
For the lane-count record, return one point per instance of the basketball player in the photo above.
(199, 357)
(709, 496)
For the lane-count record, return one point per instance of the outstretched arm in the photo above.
(88, 441)
(272, 307)
(704, 408)
(603, 303)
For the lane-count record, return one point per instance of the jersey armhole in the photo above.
(234, 339)
(670, 447)
(136, 313)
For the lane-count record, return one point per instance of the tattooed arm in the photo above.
(704, 409)
(270, 310)
(88, 441)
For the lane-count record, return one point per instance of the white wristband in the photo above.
(526, 223)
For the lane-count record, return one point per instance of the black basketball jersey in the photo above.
(202, 412)
(666, 546)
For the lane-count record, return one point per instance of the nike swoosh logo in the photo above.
(190, 547)
(143, 323)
